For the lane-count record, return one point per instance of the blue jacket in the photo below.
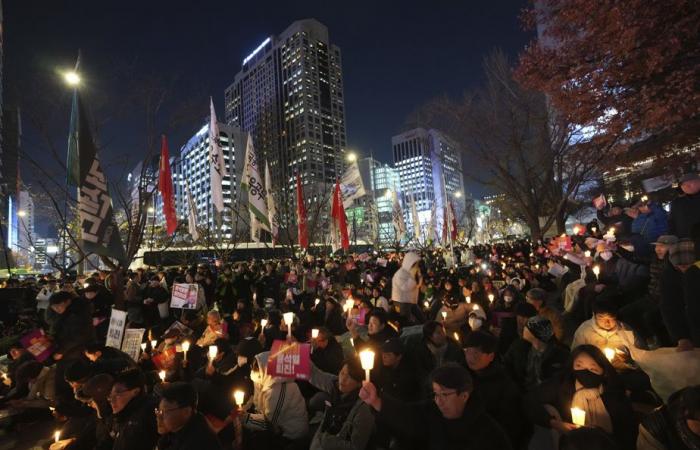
(650, 226)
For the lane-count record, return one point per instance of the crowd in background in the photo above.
(506, 348)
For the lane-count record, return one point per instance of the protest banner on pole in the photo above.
(115, 332)
(185, 296)
(131, 344)
(38, 344)
(291, 360)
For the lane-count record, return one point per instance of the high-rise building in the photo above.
(289, 96)
(192, 168)
(385, 180)
(429, 164)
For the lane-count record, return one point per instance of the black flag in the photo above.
(99, 232)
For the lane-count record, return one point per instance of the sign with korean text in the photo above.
(131, 344)
(38, 344)
(290, 360)
(115, 332)
(185, 296)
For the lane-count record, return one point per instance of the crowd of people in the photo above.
(586, 340)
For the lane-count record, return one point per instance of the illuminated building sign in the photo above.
(260, 47)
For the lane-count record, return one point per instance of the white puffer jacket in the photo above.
(404, 288)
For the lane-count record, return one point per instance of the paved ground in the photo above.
(34, 436)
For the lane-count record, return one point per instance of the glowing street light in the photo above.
(72, 78)
(351, 157)
(458, 194)
(151, 210)
(21, 213)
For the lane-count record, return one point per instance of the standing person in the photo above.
(454, 419)
(156, 301)
(134, 423)
(650, 223)
(42, 298)
(674, 426)
(406, 284)
(180, 426)
(679, 296)
(685, 210)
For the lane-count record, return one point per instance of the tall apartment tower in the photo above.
(429, 164)
(289, 97)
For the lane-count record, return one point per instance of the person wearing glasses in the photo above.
(180, 426)
(454, 419)
(133, 421)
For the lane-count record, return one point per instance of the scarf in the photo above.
(590, 401)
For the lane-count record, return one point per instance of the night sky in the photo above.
(396, 57)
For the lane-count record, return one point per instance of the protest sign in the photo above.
(132, 342)
(291, 360)
(181, 329)
(38, 344)
(185, 296)
(115, 332)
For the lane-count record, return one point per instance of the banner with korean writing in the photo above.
(38, 344)
(185, 296)
(290, 360)
(131, 345)
(115, 332)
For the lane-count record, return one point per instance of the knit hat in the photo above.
(540, 327)
(393, 345)
(248, 347)
(478, 313)
(682, 253)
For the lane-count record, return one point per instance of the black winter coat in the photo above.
(515, 361)
(134, 427)
(685, 214)
(424, 424)
(195, 435)
(73, 329)
(680, 303)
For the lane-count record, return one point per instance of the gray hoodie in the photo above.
(404, 288)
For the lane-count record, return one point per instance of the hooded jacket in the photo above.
(590, 333)
(279, 404)
(404, 288)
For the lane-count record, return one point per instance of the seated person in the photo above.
(215, 329)
(395, 376)
(180, 426)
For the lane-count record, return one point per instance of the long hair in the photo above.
(611, 380)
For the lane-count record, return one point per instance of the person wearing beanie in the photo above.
(539, 357)
(348, 422)
(679, 285)
(396, 376)
(537, 297)
(454, 417)
(493, 384)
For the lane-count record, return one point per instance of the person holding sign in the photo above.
(280, 418)
(590, 384)
(348, 422)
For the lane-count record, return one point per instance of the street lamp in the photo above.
(21, 213)
(388, 195)
(351, 157)
(72, 78)
(151, 210)
(458, 194)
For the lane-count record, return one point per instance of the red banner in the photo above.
(165, 186)
(291, 360)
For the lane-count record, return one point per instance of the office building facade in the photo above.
(289, 96)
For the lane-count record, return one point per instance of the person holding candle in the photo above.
(452, 419)
(180, 426)
(347, 421)
(280, 417)
(328, 353)
(589, 383)
(378, 331)
(215, 329)
(396, 376)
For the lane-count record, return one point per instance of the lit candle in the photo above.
(469, 299)
(314, 333)
(491, 297)
(289, 319)
(576, 229)
(185, 348)
(609, 353)
(161, 375)
(578, 416)
(587, 253)
(367, 361)
(56, 436)
(596, 271)
(426, 304)
(143, 347)
(349, 303)
(263, 323)
(317, 301)
(456, 335)
(213, 351)
(594, 229)
(154, 344)
(475, 307)
(239, 397)
(444, 315)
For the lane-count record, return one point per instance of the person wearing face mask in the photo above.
(279, 416)
(503, 312)
(674, 426)
(591, 384)
(348, 422)
(539, 357)
(435, 350)
(477, 320)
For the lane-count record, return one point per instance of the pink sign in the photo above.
(38, 344)
(291, 360)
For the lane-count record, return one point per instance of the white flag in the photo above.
(216, 162)
(191, 214)
(431, 225)
(271, 208)
(397, 217)
(414, 219)
(252, 183)
(351, 185)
